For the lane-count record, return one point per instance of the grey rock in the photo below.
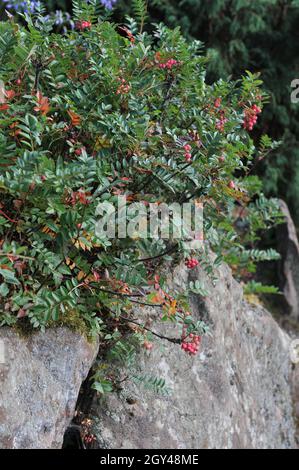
(40, 379)
(295, 391)
(237, 393)
(288, 246)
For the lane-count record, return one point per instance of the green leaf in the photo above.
(4, 290)
(9, 276)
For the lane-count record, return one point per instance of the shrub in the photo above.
(92, 114)
(250, 35)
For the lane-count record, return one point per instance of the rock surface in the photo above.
(288, 246)
(40, 378)
(241, 391)
(236, 394)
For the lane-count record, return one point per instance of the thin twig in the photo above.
(2, 253)
(8, 218)
(161, 255)
(167, 338)
(121, 294)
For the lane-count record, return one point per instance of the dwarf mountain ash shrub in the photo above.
(92, 114)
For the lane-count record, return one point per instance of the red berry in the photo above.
(191, 263)
(81, 25)
(79, 151)
(10, 94)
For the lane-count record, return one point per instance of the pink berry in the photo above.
(81, 25)
(148, 346)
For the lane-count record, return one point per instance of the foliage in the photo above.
(139, 8)
(257, 36)
(89, 115)
(253, 287)
(108, 376)
(241, 35)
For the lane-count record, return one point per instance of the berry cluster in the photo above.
(89, 439)
(221, 123)
(169, 64)
(191, 344)
(191, 263)
(220, 113)
(81, 25)
(188, 156)
(251, 115)
(123, 88)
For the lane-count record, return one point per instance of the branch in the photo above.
(167, 252)
(8, 218)
(2, 253)
(130, 297)
(120, 294)
(166, 338)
